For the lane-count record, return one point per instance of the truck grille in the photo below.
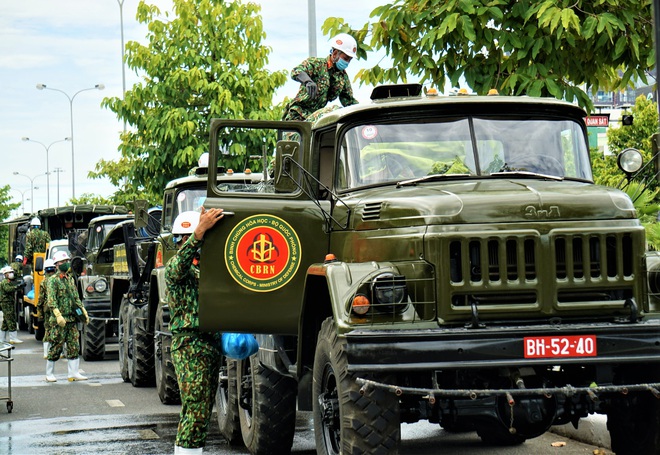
(560, 269)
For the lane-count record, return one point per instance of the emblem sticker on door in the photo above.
(262, 253)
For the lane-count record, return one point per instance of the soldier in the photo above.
(62, 298)
(8, 289)
(35, 240)
(196, 355)
(43, 311)
(323, 80)
(17, 265)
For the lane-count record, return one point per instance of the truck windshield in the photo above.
(189, 199)
(478, 146)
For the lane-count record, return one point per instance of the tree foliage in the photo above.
(537, 48)
(6, 206)
(206, 61)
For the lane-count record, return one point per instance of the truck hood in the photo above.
(487, 201)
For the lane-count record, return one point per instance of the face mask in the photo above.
(341, 64)
(64, 267)
(10, 275)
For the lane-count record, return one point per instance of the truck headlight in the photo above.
(101, 285)
(390, 293)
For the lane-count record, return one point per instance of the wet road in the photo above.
(105, 415)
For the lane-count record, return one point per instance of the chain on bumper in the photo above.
(567, 390)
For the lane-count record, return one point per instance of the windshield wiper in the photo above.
(525, 174)
(430, 178)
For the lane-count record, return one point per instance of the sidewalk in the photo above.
(592, 430)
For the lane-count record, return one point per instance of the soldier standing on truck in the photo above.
(62, 298)
(8, 289)
(196, 355)
(35, 240)
(43, 311)
(323, 80)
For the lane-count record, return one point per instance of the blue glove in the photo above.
(239, 345)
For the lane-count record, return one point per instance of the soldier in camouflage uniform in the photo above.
(62, 298)
(44, 312)
(17, 265)
(35, 240)
(196, 355)
(8, 288)
(323, 80)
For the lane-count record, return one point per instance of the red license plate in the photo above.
(560, 346)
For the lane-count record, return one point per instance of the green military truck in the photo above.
(440, 258)
(138, 290)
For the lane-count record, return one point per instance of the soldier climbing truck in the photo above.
(443, 258)
(140, 248)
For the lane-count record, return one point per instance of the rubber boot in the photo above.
(74, 374)
(13, 338)
(50, 371)
(3, 335)
(185, 451)
(46, 348)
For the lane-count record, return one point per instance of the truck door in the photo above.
(254, 262)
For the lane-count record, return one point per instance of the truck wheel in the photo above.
(268, 402)
(634, 425)
(226, 403)
(123, 340)
(21, 318)
(92, 341)
(166, 383)
(140, 349)
(346, 421)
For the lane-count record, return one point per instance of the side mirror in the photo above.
(286, 173)
(77, 265)
(39, 264)
(141, 213)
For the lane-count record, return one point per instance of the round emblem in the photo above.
(262, 253)
(369, 132)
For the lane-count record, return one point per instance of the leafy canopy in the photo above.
(531, 47)
(6, 206)
(206, 61)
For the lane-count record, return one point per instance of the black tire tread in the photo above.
(93, 340)
(228, 418)
(141, 365)
(123, 340)
(166, 382)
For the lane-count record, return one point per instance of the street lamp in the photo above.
(57, 170)
(23, 196)
(31, 179)
(71, 98)
(47, 148)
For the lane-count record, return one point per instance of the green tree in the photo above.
(529, 47)
(207, 61)
(6, 206)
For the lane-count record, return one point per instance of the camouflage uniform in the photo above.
(7, 303)
(35, 242)
(44, 310)
(331, 82)
(18, 269)
(194, 354)
(62, 295)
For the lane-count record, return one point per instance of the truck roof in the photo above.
(201, 174)
(447, 102)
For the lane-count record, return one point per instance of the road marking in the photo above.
(148, 434)
(94, 384)
(114, 403)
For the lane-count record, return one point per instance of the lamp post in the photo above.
(71, 98)
(31, 179)
(58, 170)
(23, 196)
(47, 148)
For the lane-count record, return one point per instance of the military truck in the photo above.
(439, 258)
(138, 290)
(92, 258)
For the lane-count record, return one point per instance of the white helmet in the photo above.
(60, 256)
(35, 222)
(49, 264)
(186, 222)
(345, 43)
(6, 269)
(18, 258)
(203, 160)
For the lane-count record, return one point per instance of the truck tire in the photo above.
(268, 402)
(346, 421)
(123, 340)
(634, 424)
(166, 383)
(140, 349)
(226, 403)
(92, 341)
(21, 318)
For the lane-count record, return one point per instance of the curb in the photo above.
(591, 430)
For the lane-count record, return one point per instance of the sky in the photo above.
(75, 45)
